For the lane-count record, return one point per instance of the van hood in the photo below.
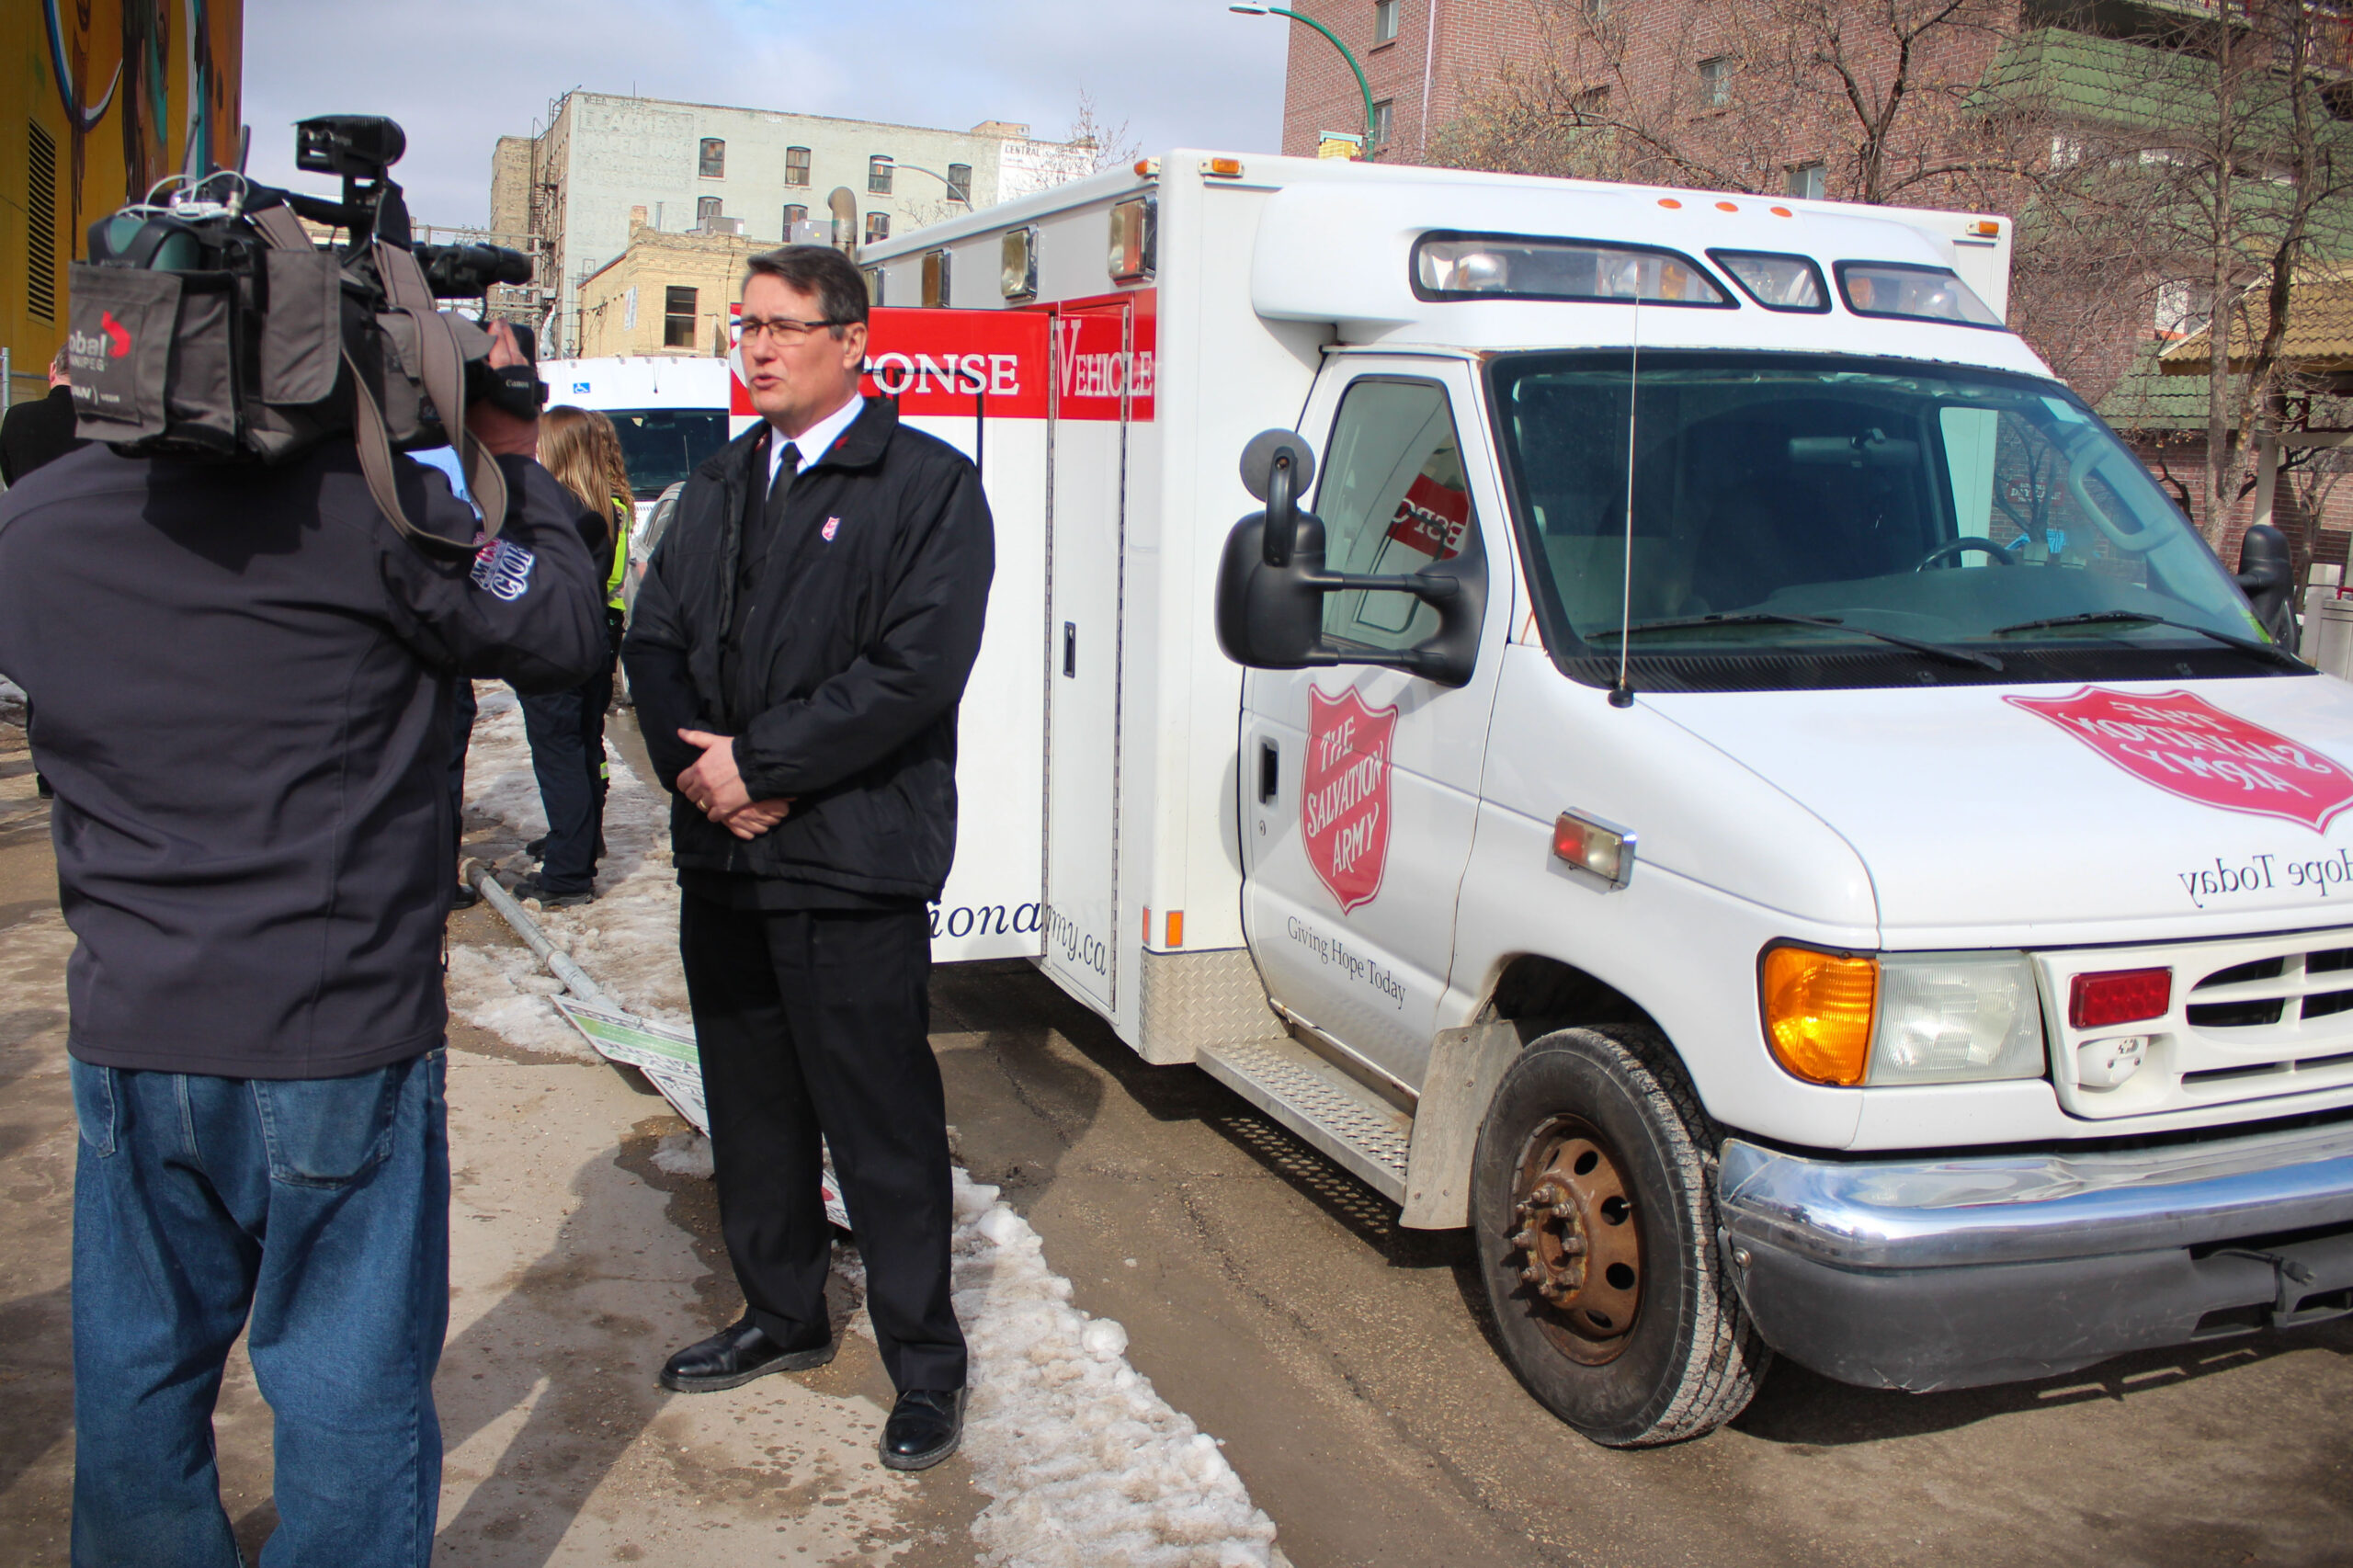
(2049, 814)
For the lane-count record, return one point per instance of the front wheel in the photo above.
(1595, 1230)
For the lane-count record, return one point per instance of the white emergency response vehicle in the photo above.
(1979, 1004)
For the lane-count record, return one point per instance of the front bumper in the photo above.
(1949, 1273)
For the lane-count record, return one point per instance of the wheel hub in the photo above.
(1579, 1248)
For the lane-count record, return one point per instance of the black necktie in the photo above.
(788, 464)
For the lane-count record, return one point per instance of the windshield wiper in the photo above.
(1934, 650)
(2269, 651)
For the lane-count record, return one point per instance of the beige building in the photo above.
(712, 170)
(665, 294)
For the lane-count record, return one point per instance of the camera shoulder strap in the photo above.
(279, 226)
(444, 374)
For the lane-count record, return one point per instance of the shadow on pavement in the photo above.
(1801, 1407)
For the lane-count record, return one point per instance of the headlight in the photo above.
(1846, 1018)
(1956, 1019)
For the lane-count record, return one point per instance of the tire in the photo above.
(1629, 1330)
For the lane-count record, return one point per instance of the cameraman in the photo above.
(244, 676)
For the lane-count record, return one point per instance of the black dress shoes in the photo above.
(733, 1357)
(924, 1427)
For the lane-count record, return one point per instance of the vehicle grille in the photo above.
(2251, 1019)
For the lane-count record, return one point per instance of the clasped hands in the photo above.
(716, 790)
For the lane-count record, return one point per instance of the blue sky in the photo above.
(457, 76)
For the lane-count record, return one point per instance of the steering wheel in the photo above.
(1954, 547)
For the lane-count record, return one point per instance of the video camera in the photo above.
(208, 323)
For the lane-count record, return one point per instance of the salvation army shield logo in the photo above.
(2186, 746)
(1344, 794)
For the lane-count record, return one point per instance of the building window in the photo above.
(878, 227)
(41, 224)
(1593, 106)
(1382, 120)
(677, 318)
(714, 162)
(793, 217)
(796, 165)
(960, 183)
(878, 175)
(1715, 82)
(706, 208)
(1596, 11)
(1809, 182)
(1384, 19)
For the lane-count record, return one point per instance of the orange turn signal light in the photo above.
(1224, 168)
(1819, 1009)
(1985, 227)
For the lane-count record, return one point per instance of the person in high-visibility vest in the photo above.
(567, 727)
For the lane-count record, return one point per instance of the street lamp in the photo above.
(1362, 85)
(952, 194)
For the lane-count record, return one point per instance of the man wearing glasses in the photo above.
(797, 653)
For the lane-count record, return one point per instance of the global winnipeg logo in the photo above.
(1344, 794)
(90, 350)
(2186, 746)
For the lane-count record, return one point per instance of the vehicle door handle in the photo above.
(1070, 648)
(1270, 776)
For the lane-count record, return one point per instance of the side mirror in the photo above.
(1271, 583)
(2267, 577)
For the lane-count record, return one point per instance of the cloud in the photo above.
(459, 73)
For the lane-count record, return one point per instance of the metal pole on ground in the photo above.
(575, 979)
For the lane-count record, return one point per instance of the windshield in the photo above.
(664, 445)
(1927, 515)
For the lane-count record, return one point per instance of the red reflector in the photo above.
(2119, 996)
(1569, 839)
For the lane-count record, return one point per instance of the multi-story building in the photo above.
(711, 170)
(665, 294)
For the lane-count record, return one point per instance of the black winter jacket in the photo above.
(244, 681)
(857, 643)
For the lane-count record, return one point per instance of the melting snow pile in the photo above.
(684, 1153)
(1085, 1464)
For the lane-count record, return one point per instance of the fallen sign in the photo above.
(670, 1062)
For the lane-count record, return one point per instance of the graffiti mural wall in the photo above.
(99, 100)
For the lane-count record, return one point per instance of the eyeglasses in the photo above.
(783, 329)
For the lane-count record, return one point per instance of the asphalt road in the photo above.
(1345, 1364)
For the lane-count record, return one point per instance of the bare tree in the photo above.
(1111, 145)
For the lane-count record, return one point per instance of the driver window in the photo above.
(1393, 500)
(2016, 481)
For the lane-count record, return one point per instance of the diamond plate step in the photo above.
(1363, 1134)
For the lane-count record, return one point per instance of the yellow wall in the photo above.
(128, 69)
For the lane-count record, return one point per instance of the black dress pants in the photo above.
(816, 1022)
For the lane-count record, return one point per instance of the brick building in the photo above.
(665, 294)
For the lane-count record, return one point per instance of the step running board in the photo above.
(1357, 1129)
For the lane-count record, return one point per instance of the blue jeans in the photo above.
(321, 1209)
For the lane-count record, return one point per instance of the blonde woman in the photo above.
(566, 728)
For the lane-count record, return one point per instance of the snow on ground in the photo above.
(627, 939)
(1083, 1460)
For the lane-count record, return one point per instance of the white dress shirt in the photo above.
(815, 441)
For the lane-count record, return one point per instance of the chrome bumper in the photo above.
(1944, 1273)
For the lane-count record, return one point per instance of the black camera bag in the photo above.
(232, 336)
